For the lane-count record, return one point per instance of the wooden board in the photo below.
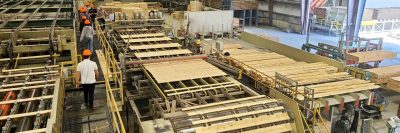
(250, 122)
(394, 84)
(147, 40)
(281, 128)
(382, 75)
(257, 56)
(182, 70)
(103, 63)
(162, 53)
(154, 46)
(142, 35)
(370, 56)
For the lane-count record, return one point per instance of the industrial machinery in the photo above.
(318, 89)
(37, 43)
(358, 52)
(172, 90)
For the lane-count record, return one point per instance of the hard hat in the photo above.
(86, 52)
(87, 21)
(91, 5)
(83, 10)
(84, 17)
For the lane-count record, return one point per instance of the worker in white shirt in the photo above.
(86, 75)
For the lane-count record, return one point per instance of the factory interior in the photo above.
(199, 66)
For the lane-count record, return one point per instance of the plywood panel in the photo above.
(370, 56)
(250, 122)
(394, 83)
(162, 53)
(147, 40)
(154, 46)
(142, 35)
(182, 70)
(382, 75)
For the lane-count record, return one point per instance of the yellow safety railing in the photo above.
(116, 78)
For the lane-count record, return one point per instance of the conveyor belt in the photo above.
(191, 93)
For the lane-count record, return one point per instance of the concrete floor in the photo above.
(297, 40)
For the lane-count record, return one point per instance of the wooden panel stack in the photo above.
(394, 83)
(195, 6)
(370, 56)
(244, 4)
(383, 74)
(323, 78)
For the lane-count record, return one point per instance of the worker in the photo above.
(82, 23)
(86, 76)
(93, 13)
(198, 46)
(87, 35)
(101, 17)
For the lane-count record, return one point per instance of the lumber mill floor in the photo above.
(76, 119)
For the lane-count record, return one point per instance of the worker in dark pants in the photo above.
(86, 75)
(93, 14)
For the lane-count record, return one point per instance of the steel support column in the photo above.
(355, 10)
(270, 12)
(305, 16)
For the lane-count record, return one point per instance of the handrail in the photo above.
(116, 72)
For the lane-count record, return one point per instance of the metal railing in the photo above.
(116, 78)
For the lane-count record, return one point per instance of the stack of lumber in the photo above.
(323, 78)
(221, 118)
(195, 6)
(143, 5)
(130, 9)
(244, 4)
(340, 87)
(383, 74)
(394, 83)
(370, 56)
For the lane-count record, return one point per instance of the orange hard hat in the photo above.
(84, 17)
(91, 5)
(86, 52)
(83, 10)
(87, 21)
